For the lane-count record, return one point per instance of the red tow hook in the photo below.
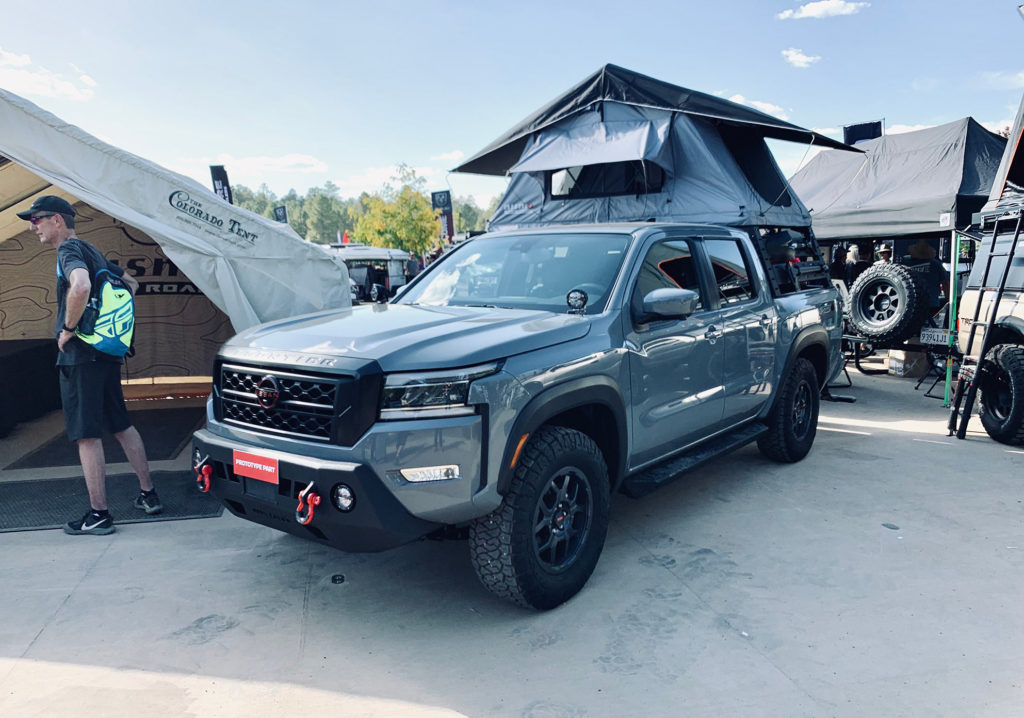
(203, 473)
(308, 501)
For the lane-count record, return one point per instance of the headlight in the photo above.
(420, 395)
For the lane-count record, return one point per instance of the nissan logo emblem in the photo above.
(267, 392)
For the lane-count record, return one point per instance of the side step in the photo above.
(648, 480)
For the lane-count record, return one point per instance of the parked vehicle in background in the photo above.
(1001, 375)
(518, 382)
(367, 266)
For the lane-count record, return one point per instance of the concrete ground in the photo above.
(881, 576)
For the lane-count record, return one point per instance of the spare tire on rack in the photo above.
(888, 303)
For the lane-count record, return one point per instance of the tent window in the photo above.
(757, 164)
(611, 179)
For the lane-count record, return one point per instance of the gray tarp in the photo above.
(912, 183)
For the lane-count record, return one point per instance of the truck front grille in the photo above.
(305, 408)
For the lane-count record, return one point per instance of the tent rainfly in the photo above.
(252, 268)
(923, 182)
(621, 146)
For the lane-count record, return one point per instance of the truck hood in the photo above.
(412, 337)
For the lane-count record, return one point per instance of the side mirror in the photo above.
(670, 303)
(379, 294)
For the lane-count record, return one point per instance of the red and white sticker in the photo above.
(255, 466)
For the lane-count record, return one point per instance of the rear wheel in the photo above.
(793, 421)
(540, 546)
(1001, 382)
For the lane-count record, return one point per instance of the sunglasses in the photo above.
(39, 218)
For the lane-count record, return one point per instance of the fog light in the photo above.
(343, 497)
(431, 473)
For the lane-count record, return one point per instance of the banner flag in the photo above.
(862, 131)
(281, 214)
(220, 183)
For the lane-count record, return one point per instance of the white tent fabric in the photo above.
(252, 268)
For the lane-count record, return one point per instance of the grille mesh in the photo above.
(305, 407)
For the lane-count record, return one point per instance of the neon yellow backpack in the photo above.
(108, 322)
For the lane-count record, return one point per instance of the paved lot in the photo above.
(882, 576)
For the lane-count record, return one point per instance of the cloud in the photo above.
(18, 75)
(9, 58)
(900, 129)
(453, 156)
(1003, 80)
(796, 57)
(823, 8)
(766, 107)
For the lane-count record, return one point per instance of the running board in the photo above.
(648, 480)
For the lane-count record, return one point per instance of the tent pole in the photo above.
(954, 260)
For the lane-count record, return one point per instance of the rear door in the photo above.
(748, 319)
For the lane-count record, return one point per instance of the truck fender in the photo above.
(1014, 324)
(805, 339)
(599, 390)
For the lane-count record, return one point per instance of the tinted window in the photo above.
(732, 273)
(668, 265)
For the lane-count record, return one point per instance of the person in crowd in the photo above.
(855, 265)
(884, 253)
(90, 381)
(936, 281)
(837, 267)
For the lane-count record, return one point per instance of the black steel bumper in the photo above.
(376, 521)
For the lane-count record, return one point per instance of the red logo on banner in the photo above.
(255, 466)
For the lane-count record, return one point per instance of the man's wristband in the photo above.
(69, 329)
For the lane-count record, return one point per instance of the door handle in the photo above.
(766, 321)
(712, 334)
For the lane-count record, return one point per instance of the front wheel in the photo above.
(1002, 394)
(540, 546)
(793, 421)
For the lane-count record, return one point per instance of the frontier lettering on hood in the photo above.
(182, 202)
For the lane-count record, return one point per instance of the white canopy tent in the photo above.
(250, 267)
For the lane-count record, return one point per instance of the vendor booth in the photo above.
(206, 269)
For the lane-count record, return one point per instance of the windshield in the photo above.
(533, 271)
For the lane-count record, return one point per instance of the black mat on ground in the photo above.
(51, 503)
(165, 432)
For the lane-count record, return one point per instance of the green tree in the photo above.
(398, 217)
(468, 216)
(324, 218)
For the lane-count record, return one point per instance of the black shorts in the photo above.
(93, 400)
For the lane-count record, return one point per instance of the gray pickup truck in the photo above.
(517, 383)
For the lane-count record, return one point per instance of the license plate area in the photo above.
(260, 476)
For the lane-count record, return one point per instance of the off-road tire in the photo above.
(888, 303)
(793, 421)
(541, 545)
(1001, 382)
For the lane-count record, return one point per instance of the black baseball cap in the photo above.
(48, 203)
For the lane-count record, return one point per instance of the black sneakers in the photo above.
(149, 502)
(92, 523)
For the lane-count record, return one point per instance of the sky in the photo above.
(293, 95)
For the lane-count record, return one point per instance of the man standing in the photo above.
(90, 381)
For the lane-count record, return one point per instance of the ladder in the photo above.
(970, 367)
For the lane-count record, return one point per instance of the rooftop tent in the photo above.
(623, 146)
(921, 182)
(246, 264)
(1008, 185)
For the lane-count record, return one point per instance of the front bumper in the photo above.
(377, 520)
